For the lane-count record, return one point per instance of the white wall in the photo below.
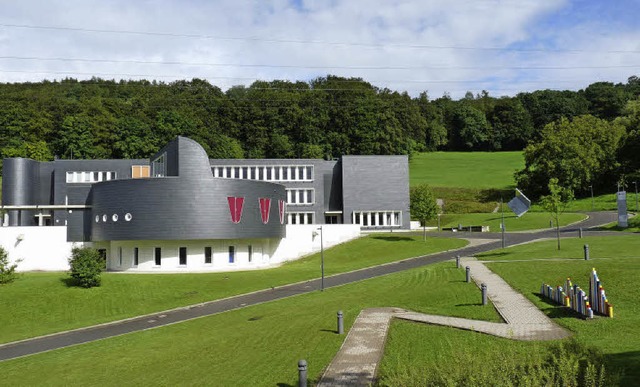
(46, 248)
(39, 248)
(300, 240)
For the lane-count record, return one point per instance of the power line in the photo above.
(314, 67)
(303, 41)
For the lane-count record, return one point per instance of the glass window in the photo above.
(277, 173)
(269, 170)
(309, 218)
(159, 166)
(250, 252)
(301, 196)
(232, 254)
(135, 256)
(309, 173)
(183, 256)
(285, 173)
(207, 254)
(120, 256)
(157, 255)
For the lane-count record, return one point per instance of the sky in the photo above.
(438, 46)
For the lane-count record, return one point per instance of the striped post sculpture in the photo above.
(572, 296)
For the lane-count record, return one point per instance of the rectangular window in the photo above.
(269, 177)
(250, 251)
(309, 173)
(159, 166)
(120, 256)
(301, 196)
(140, 171)
(285, 173)
(183, 256)
(135, 256)
(232, 254)
(157, 256)
(207, 254)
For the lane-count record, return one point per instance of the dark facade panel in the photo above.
(176, 208)
(374, 183)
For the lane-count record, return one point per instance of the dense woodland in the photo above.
(328, 117)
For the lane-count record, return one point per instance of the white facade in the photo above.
(46, 249)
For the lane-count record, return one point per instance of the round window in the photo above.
(104, 218)
(97, 218)
(115, 217)
(128, 217)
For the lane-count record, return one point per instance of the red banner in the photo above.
(265, 208)
(235, 208)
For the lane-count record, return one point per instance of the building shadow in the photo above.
(390, 238)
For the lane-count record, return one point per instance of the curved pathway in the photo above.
(116, 328)
(357, 361)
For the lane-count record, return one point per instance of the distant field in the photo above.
(481, 170)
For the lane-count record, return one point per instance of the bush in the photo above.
(86, 266)
(7, 271)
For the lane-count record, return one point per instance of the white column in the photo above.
(281, 178)
(369, 218)
(384, 219)
(304, 173)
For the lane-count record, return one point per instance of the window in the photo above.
(207, 254)
(183, 256)
(140, 171)
(264, 172)
(135, 256)
(89, 176)
(157, 255)
(300, 217)
(300, 196)
(377, 218)
(250, 252)
(160, 166)
(232, 254)
(120, 256)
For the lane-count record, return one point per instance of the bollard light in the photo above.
(302, 373)
(580, 232)
(340, 323)
(457, 261)
(586, 252)
(468, 274)
(483, 287)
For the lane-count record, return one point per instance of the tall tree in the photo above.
(556, 203)
(423, 206)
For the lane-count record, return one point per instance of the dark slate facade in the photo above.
(188, 196)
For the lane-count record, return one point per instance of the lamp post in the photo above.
(321, 257)
(591, 188)
(502, 211)
(635, 183)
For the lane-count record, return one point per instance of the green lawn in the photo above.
(254, 346)
(529, 221)
(465, 169)
(457, 355)
(42, 303)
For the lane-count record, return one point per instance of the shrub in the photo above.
(86, 266)
(7, 271)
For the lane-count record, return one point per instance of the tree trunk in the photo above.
(424, 233)
(558, 232)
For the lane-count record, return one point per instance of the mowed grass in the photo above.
(529, 221)
(465, 169)
(42, 303)
(445, 353)
(254, 346)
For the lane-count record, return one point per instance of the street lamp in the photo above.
(321, 257)
(635, 183)
(502, 224)
(591, 188)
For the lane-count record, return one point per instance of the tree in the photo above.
(423, 205)
(556, 203)
(578, 152)
(86, 266)
(7, 270)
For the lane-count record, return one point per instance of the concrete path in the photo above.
(480, 242)
(357, 361)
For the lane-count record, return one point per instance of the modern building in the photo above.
(181, 211)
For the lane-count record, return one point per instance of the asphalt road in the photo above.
(84, 335)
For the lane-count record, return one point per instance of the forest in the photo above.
(586, 137)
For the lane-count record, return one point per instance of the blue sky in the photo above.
(437, 46)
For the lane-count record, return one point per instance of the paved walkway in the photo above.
(357, 361)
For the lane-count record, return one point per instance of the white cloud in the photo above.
(396, 40)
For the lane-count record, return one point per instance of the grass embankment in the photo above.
(529, 221)
(467, 181)
(254, 346)
(41, 303)
(457, 356)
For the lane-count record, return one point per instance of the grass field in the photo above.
(465, 169)
(617, 260)
(41, 303)
(254, 346)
